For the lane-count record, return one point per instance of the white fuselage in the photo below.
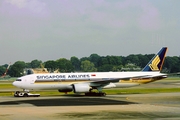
(64, 81)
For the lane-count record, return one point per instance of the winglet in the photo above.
(156, 63)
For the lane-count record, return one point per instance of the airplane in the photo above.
(85, 82)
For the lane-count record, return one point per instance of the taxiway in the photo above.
(164, 106)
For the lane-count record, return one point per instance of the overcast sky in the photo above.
(53, 29)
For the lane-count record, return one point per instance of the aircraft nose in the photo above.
(17, 83)
(14, 83)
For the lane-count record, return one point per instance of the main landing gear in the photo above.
(99, 93)
(95, 94)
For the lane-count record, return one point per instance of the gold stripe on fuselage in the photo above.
(140, 81)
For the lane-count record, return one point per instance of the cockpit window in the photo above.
(18, 79)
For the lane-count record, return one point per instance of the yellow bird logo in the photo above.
(154, 64)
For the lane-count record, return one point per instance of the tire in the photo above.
(17, 92)
(102, 94)
(15, 95)
(25, 95)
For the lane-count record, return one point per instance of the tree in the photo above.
(76, 63)
(94, 58)
(64, 65)
(83, 59)
(36, 63)
(28, 65)
(114, 60)
(103, 61)
(117, 68)
(88, 66)
(172, 64)
(143, 60)
(51, 65)
(133, 59)
(105, 68)
(17, 69)
(2, 70)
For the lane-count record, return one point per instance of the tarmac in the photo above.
(157, 106)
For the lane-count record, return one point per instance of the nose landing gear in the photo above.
(25, 94)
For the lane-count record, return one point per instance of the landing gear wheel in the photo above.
(95, 94)
(103, 94)
(25, 95)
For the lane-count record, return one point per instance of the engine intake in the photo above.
(81, 88)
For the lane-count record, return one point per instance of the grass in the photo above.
(108, 91)
(141, 90)
(172, 78)
(6, 86)
(108, 115)
(118, 91)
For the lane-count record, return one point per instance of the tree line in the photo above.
(93, 63)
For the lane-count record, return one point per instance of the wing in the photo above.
(106, 81)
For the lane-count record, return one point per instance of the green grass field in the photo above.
(108, 91)
(116, 91)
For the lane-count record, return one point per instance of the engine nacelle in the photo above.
(81, 88)
(66, 89)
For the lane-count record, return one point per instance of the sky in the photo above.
(53, 29)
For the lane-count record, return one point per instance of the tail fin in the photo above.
(156, 63)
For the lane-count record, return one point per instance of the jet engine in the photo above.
(66, 89)
(81, 88)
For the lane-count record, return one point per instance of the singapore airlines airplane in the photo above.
(85, 82)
